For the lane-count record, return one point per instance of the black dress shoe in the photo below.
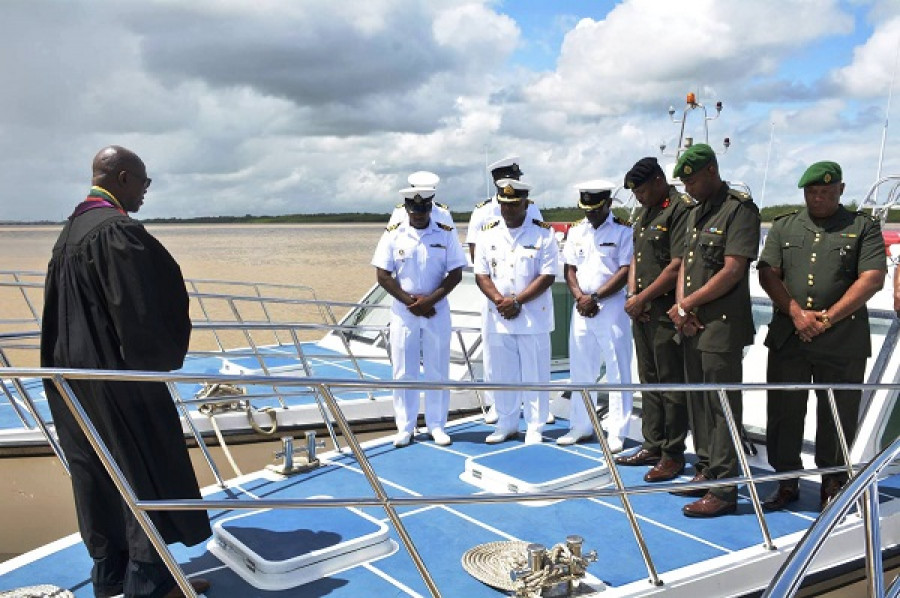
(781, 497)
(709, 506)
(642, 457)
(830, 488)
(693, 493)
(667, 469)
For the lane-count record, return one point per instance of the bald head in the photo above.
(121, 172)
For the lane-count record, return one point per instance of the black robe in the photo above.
(115, 299)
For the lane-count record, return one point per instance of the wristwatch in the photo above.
(826, 319)
(681, 312)
(517, 305)
(595, 297)
(629, 294)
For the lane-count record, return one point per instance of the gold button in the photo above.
(813, 260)
(809, 276)
(813, 254)
(687, 284)
(637, 259)
(724, 317)
(639, 254)
(691, 253)
(811, 283)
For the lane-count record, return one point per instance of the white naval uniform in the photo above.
(439, 213)
(598, 254)
(518, 350)
(482, 214)
(420, 260)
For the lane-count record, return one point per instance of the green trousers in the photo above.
(715, 449)
(660, 360)
(786, 409)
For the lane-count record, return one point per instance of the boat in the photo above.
(473, 520)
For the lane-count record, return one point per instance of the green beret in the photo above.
(693, 159)
(821, 173)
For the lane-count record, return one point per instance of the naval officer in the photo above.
(484, 213)
(516, 260)
(597, 256)
(714, 316)
(659, 231)
(418, 263)
(439, 212)
(819, 265)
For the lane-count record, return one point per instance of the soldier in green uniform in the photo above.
(713, 313)
(819, 265)
(659, 232)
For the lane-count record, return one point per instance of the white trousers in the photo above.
(519, 358)
(592, 341)
(416, 340)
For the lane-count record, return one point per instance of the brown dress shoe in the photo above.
(667, 469)
(781, 497)
(695, 493)
(830, 488)
(199, 584)
(642, 457)
(709, 506)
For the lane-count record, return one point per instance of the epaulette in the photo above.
(442, 205)
(540, 223)
(443, 226)
(392, 227)
(530, 201)
(785, 215)
(490, 225)
(739, 195)
(688, 200)
(867, 215)
(483, 203)
(622, 222)
(399, 205)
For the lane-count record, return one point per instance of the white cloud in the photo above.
(870, 73)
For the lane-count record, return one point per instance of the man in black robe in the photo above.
(115, 300)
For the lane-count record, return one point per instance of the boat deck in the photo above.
(443, 533)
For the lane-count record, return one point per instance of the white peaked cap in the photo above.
(503, 163)
(423, 178)
(423, 192)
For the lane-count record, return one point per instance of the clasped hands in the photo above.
(809, 324)
(586, 306)
(688, 324)
(508, 307)
(637, 310)
(421, 306)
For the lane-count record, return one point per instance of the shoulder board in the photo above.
(785, 215)
(866, 215)
(483, 203)
(438, 204)
(392, 227)
(443, 226)
(399, 205)
(617, 220)
(540, 223)
(688, 200)
(530, 201)
(739, 195)
(490, 225)
(577, 222)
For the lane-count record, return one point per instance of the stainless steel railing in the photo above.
(326, 387)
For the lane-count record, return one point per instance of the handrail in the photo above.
(325, 386)
(862, 489)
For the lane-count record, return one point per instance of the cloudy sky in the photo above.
(299, 106)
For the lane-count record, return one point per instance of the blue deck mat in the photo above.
(443, 533)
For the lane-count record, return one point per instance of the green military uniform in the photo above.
(819, 262)
(726, 224)
(659, 234)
